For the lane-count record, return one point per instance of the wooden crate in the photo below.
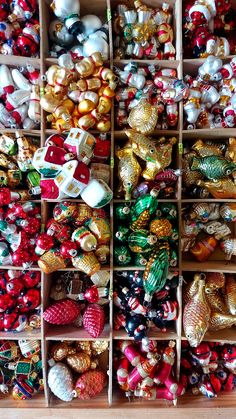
(45, 404)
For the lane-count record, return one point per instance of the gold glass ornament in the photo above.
(87, 65)
(84, 346)
(230, 294)
(100, 227)
(219, 321)
(84, 213)
(192, 287)
(205, 150)
(221, 189)
(98, 346)
(231, 150)
(214, 281)
(143, 117)
(189, 177)
(129, 170)
(90, 84)
(161, 228)
(157, 154)
(216, 301)
(59, 351)
(86, 262)
(196, 316)
(104, 105)
(103, 125)
(79, 362)
(86, 106)
(102, 253)
(50, 262)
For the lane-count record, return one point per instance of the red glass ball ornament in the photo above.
(91, 294)
(59, 231)
(44, 242)
(29, 300)
(6, 302)
(68, 249)
(31, 279)
(2, 322)
(5, 196)
(20, 257)
(14, 321)
(14, 287)
(30, 225)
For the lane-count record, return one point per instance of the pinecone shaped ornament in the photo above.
(94, 320)
(90, 384)
(62, 312)
(61, 383)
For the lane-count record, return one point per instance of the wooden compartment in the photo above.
(187, 404)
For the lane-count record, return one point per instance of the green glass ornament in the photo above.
(122, 212)
(173, 257)
(122, 255)
(141, 241)
(213, 167)
(144, 207)
(174, 236)
(141, 259)
(156, 271)
(122, 234)
(169, 211)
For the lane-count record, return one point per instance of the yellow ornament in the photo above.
(85, 106)
(98, 346)
(129, 170)
(59, 351)
(143, 117)
(86, 262)
(221, 189)
(87, 66)
(219, 321)
(80, 362)
(161, 228)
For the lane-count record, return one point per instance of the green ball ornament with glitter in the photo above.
(122, 212)
(141, 241)
(122, 256)
(122, 234)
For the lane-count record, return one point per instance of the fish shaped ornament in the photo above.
(129, 170)
(143, 117)
(230, 294)
(216, 302)
(156, 270)
(196, 316)
(221, 189)
(192, 287)
(204, 150)
(219, 321)
(213, 167)
(157, 154)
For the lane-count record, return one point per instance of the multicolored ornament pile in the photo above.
(81, 36)
(17, 170)
(134, 315)
(211, 101)
(209, 368)
(205, 227)
(21, 368)
(209, 304)
(20, 97)
(79, 94)
(146, 234)
(79, 301)
(147, 370)
(63, 166)
(20, 224)
(209, 169)
(19, 300)
(19, 28)
(160, 88)
(209, 28)
(143, 32)
(77, 235)
(77, 369)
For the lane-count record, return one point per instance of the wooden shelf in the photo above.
(31, 334)
(152, 334)
(74, 333)
(209, 266)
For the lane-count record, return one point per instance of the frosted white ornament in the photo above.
(60, 382)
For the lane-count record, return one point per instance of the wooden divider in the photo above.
(111, 396)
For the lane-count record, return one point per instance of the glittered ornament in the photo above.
(59, 351)
(100, 227)
(60, 382)
(94, 320)
(141, 241)
(65, 212)
(162, 228)
(143, 208)
(62, 312)
(98, 346)
(79, 362)
(86, 262)
(51, 261)
(90, 384)
(129, 170)
(143, 117)
(196, 316)
(122, 255)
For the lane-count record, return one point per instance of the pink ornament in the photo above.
(63, 312)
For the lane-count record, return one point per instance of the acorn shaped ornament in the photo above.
(94, 320)
(60, 382)
(62, 312)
